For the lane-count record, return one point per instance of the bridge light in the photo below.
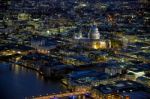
(72, 97)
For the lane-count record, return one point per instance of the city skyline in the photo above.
(74, 49)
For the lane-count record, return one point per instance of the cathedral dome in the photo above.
(94, 33)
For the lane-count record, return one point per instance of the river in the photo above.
(17, 82)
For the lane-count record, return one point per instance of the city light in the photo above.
(74, 49)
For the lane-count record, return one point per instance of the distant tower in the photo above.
(94, 33)
(79, 35)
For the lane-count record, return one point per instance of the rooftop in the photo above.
(120, 86)
(137, 95)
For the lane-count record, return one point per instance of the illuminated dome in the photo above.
(94, 33)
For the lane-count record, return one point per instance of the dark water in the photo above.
(18, 82)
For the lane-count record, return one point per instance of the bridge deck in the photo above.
(61, 95)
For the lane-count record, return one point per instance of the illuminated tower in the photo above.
(80, 35)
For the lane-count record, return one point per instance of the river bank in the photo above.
(18, 82)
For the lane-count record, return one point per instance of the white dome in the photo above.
(94, 33)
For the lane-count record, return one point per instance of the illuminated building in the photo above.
(80, 80)
(120, 90)
(23, 16)
(136, 72)
(43, 45)
(93, 41)
(98, 56)
(94, 33)
(77, 60)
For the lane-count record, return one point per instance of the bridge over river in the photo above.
(79, 94)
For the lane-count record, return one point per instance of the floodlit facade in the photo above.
(93, 41)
